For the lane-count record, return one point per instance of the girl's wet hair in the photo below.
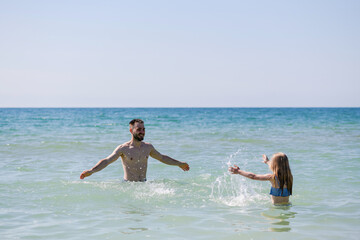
(281, 169)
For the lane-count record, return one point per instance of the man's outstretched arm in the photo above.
(103, 163)
(168, 160)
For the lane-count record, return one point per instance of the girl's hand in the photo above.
(234, 170)
(265, 159)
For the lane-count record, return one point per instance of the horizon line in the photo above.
(188, 107)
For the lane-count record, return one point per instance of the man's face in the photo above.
(138, 131)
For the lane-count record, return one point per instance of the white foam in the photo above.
(153, 190)
(235, 190)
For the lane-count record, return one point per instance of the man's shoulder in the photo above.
(124, 145)
(128, 145)
(146, 144)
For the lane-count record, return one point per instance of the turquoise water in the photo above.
(43, 152)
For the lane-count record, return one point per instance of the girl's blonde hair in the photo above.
(281, 169)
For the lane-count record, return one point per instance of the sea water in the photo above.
(43, 152)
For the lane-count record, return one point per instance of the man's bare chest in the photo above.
(136, 154)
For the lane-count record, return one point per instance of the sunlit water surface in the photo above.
(43, 152)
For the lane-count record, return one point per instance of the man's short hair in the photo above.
(136, 120)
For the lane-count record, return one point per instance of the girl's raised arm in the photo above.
(265, 159)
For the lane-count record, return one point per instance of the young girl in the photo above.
(281, 179)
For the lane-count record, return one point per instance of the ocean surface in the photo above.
(43, 152)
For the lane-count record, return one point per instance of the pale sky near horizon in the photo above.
(180, 53)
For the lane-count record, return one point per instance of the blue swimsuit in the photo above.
(277, 191)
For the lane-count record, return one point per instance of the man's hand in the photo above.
(184, 166)
(234, 170)
(85, 174)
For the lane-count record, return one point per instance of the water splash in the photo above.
(235, 190)
(138, 190)
(154, 190)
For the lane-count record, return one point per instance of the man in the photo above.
(134, 155)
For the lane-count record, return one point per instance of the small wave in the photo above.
(138, 190)
(154, 190)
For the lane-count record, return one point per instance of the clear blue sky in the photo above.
(180, 53)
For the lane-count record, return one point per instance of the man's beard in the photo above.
(138, 138)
